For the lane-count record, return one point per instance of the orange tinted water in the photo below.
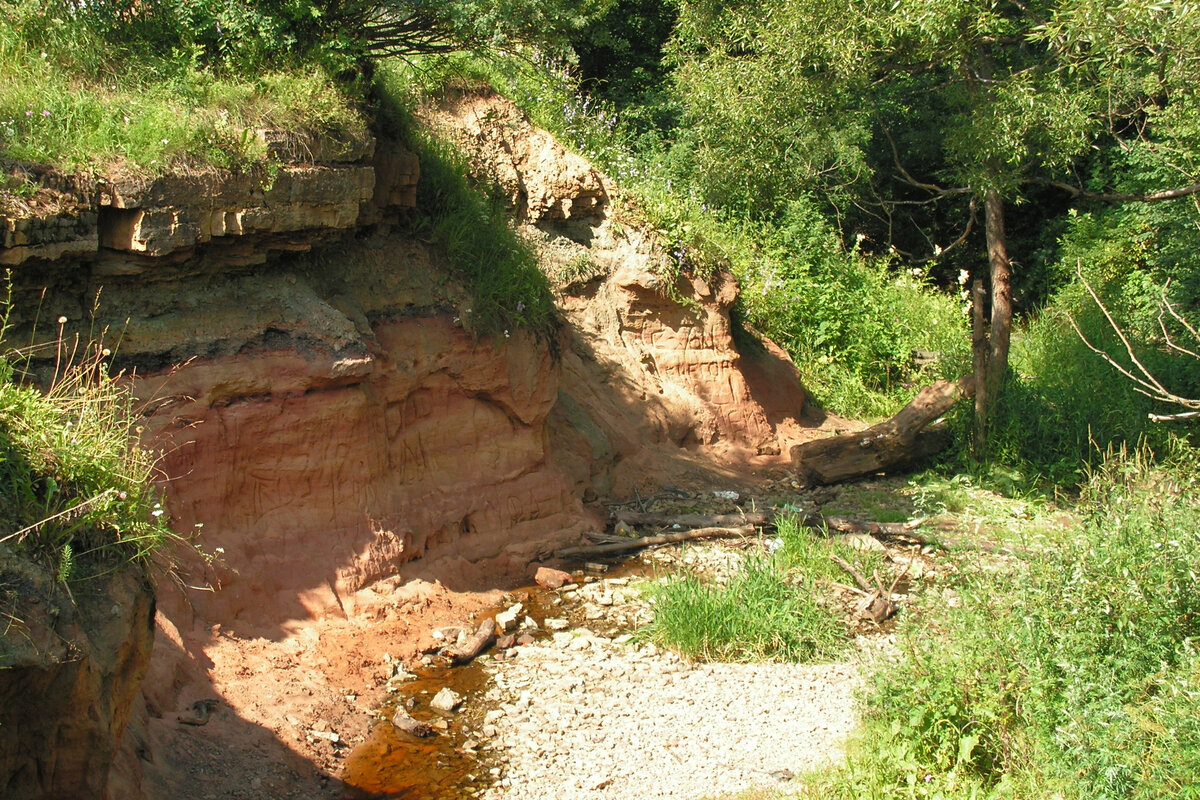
(396, 766)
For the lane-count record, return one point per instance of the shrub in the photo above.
(1072, 675)
(76, 492)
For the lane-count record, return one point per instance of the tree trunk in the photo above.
(979, 351)
(991, 348)
(1001, 267)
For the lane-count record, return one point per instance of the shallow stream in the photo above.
(393, 765)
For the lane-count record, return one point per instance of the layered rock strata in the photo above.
(327, 426)
(71, 666)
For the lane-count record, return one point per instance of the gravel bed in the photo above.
(585, 716)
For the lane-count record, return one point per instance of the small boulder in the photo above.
(549, 578)
(507, 620)
(446, 700)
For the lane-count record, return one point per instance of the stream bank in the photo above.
(584, 707)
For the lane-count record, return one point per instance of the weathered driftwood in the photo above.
(764, 519)
(695, 520)
(876, 603)
(483, 637)
(912, 434)
(662, 538)
(862, 582)
(413, 727)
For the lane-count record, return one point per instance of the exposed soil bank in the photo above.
(70, 670)
(362, 469)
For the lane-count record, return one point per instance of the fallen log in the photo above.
(912, 434)
(483, 637)
(764, 519)
(662, 538)
(695, 520)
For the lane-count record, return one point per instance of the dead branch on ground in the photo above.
(479, 641)
(741, 532)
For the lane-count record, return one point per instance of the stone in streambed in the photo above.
(549, 578)
(507, 620)
(446, 700)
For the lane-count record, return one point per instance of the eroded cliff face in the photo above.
(331, 431)
(70, 670)
(654, 388)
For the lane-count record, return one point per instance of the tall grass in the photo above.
(1076, 675)
(467, 219)
(768, 609)
(75, 100)
(76, 492)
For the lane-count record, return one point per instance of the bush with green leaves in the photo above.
(1074, 674)
(76, 491)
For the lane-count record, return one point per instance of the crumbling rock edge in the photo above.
(360, 467)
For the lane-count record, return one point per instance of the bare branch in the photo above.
(1120, 197)
(1145, 382)
(1173, 417)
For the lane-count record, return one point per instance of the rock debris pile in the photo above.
(585, 716)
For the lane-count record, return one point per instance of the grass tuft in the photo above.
(767, 610)
(76, 492)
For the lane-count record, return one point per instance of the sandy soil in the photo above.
(290, 707)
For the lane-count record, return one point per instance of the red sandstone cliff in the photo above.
(329, 428)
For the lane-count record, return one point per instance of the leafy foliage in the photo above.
(76, 490)
(1073, 675)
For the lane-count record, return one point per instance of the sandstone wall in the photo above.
(328, 428)
(70, 669)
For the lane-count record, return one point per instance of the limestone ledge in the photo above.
(87, 219)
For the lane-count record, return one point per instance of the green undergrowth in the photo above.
(1072, 672)
(468, 220)
(768, 609)
(76, 99)
(76, 493)
(852, 323)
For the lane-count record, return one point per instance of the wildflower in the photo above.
(29, 113)
(166, 141)
(520, 306)
(45, 112)
(126, 119)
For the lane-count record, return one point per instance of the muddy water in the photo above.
(397, 766)
(392, 764)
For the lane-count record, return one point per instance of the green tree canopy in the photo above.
(926, 121)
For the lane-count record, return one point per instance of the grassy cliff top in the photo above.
(141, 94)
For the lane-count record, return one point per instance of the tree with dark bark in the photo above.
(940, 112)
